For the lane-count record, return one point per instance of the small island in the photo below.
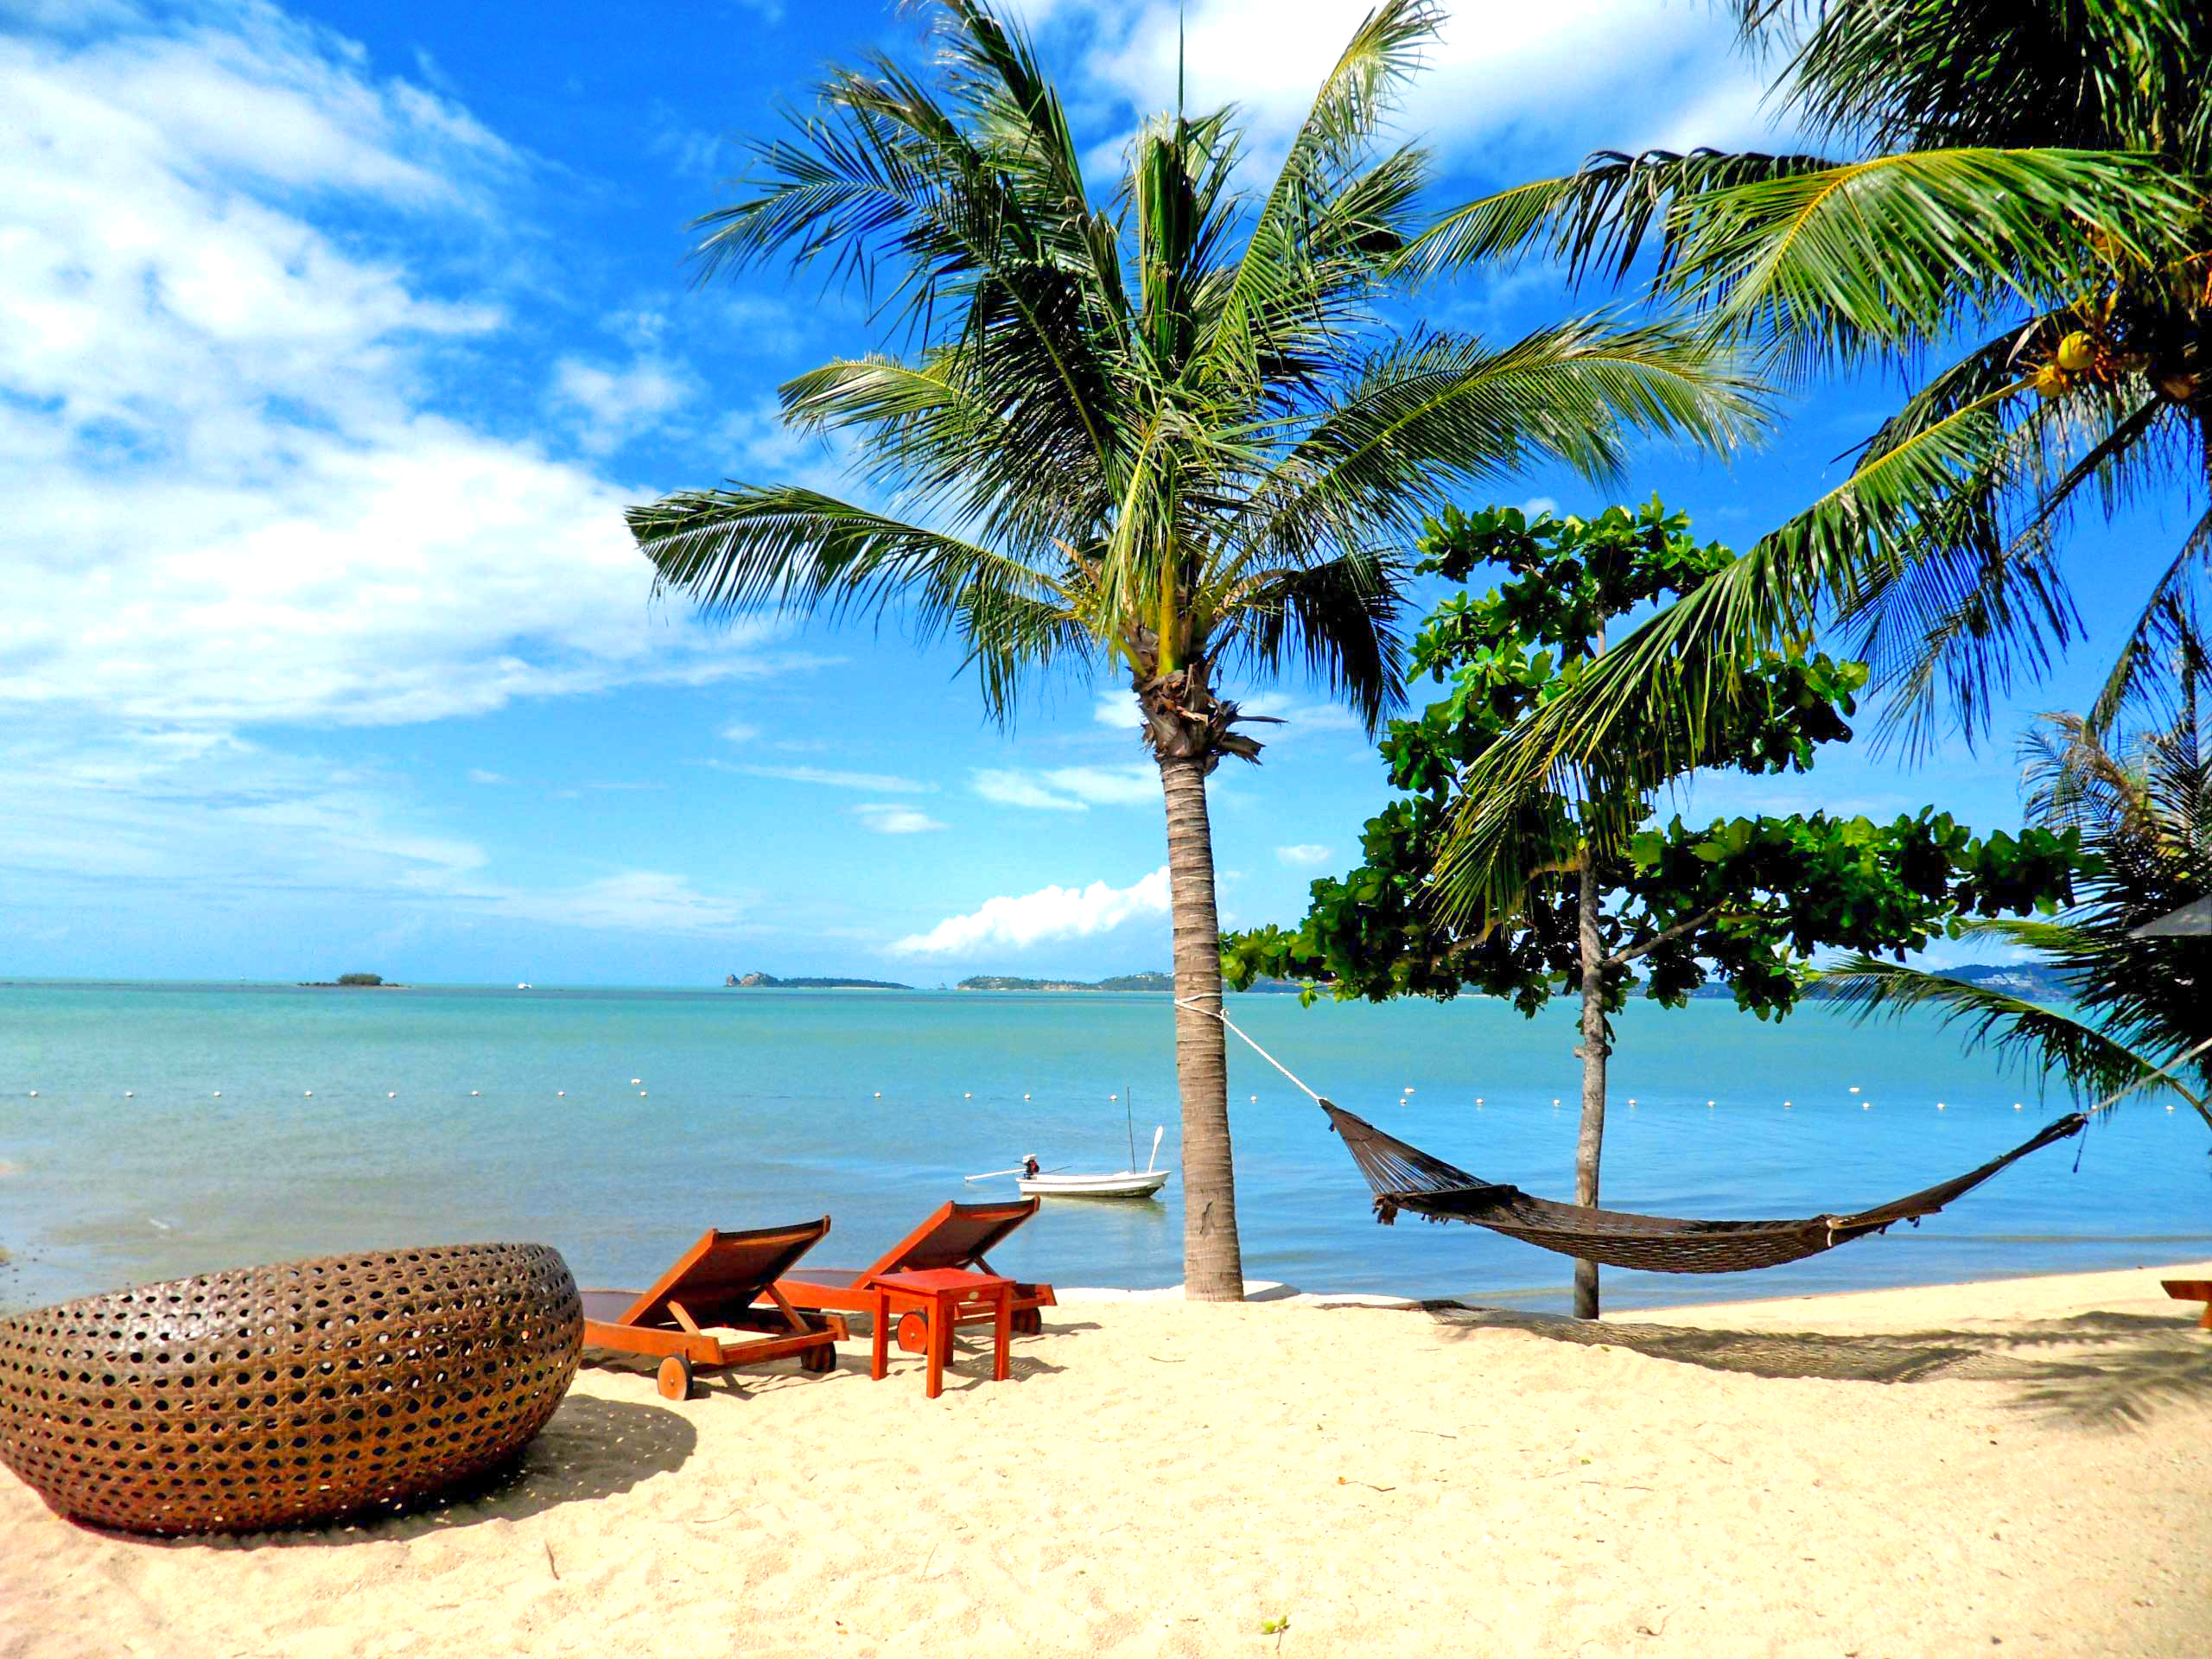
(352, 982)
(1142, 981)
(760, 981)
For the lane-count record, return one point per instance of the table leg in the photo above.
(940, 1342)
(879, 1345)
(1002, 1336)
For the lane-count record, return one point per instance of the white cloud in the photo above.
(1049, 914)
(618, 404)
(1304, 856)
(880, 782)
(889, 820)
(478, 775)
(1506, 82)
(220, 394)
(1070, 789)
(738, 732)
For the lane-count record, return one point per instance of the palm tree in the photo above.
(1169, 434)
(2143, 1006)
(2033, 178)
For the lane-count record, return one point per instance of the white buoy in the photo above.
(1785, 1105)
(474, 1092)
(2016, 1105)
(1479, 1100)
(879, 1095)
(1554, 1100)
(1708, 1102)
(641, 1094)
(560, 1094)
(1025, 1097)
(219, 1094)
(1410, 1090)
(1939, 1105)
(1854, 1088)
(1632, 1100)
(34, 1094)
(635, 1082)
(130, 1094)
(970, 1097)
(308, 1094)
(392, 1094)
(1866, 1105)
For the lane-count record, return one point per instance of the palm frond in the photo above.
(748, 549)
(2046, 1041)
(1597, 220)
(1888, 254)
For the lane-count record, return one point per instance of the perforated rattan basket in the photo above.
(268, 1396)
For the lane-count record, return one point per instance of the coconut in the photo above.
(2076, 352)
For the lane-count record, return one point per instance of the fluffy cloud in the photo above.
(1072, 789)
(1505, 81)
(1304, 856)
(889, 820)
(223, 342)
(1052, 912)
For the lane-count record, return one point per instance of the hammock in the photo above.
(1406, 1178)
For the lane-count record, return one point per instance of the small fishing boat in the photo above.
(1037, 1183)
(1122, 1184)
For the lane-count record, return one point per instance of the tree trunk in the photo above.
(1213, 1265)
(1593, 1049)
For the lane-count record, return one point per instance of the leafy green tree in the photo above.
(2142, 1007)
(1746, 902)
(1169, 434)
(2033, 179)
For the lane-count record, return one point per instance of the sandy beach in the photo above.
(2020, 1467)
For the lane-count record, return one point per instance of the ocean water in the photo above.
(173, 1131)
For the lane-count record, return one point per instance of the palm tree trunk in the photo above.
(1213, 1265)
(1593, 1049)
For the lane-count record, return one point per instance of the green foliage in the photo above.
(1172, 431)
(1747, 900)
(360, 979)
(2018, 177)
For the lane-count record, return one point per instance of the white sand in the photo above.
(1161, 1478)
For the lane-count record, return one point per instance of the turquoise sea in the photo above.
(173, 1130)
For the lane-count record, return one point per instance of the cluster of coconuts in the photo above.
(2116, 341)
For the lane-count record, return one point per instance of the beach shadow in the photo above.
(592, 1449)
(2118, 1370)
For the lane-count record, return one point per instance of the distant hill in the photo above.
(2030, 981)
(759, 982)
(1145, 981)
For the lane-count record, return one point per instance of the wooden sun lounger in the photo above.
(2192, 1290)
(725, 1283)
(955, 1235)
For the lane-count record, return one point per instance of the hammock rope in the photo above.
(1405, 1178)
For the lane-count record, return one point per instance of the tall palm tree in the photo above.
(2142, 1006)
(1167, 434)
(2031, 178)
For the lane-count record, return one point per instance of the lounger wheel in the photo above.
(674, 1378)
(914, 1332)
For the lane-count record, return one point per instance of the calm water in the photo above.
(436, 1116)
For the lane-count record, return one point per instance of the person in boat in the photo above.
(1030, 1168)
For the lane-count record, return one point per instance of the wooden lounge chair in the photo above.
(724, 1285)
(2192, 1290)
(955, 1235)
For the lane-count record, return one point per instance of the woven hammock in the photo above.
(1406, 1178)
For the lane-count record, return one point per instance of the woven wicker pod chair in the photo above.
(301, 1392)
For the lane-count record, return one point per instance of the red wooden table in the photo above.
(942, 1296)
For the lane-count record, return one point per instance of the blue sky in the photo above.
(335, 338)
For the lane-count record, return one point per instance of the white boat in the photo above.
(1122, 1183)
